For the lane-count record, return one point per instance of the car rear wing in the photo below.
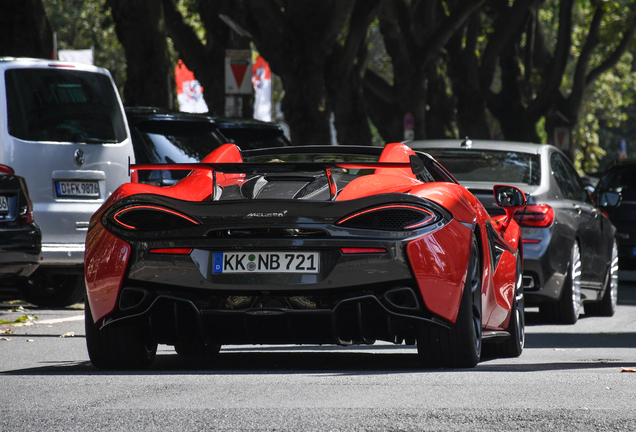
(415, 165)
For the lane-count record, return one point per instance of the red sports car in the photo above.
(304, 245)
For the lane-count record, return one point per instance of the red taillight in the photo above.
(176, 251)
(4, 169)
(362, 250)
(535, 215)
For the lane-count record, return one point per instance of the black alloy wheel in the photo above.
(460, 345)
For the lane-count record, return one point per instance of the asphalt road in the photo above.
(569, 378)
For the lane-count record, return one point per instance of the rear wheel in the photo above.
(120, 345)
(512, 346)
(460, 345)
(45, 289)
(568, 308)
(607, 305)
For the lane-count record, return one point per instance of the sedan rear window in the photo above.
(493, 166)
(63, 106)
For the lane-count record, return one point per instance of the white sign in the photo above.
(76, 56)
(238, 72)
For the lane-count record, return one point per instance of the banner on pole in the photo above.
(262, 83)
(189, 91)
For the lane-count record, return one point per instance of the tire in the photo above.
(512, 346)
(121, 345)
(196, 348)
(568, 308)
(460, 345)
(609, 301)
(53, 290)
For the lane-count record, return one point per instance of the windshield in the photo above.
(63, 105)
(249, 137)
(492, 166)
(174, 141)
(621, 179)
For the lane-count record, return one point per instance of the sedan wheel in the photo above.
(607, 305)
(568, 308)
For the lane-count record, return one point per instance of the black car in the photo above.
(569, 245)
(165, 136)
(621, 178)
(20, 237)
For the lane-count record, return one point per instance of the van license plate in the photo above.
(82, 189)
(266, 262)
(4, 205)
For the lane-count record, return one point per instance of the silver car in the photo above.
(569, 245)
(62, 128)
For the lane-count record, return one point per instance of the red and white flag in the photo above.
(262, 83)
(189, 91)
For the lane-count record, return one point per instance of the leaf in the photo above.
(24, 319)
(69, 334)
(6, 331)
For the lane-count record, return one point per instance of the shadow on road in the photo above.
(305, 362)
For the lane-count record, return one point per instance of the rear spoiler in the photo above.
(415, 164)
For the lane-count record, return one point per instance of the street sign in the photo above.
(238, 72)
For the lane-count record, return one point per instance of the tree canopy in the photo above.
(518, 70)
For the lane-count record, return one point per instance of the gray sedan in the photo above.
(569, 245)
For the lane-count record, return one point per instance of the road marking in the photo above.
(59, 320)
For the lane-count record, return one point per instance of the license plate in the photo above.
(4, 204)
(84, 189)
(266, 262)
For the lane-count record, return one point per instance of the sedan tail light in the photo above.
(536, 216)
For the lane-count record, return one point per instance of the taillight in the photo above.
(152, 218)
(352, 251)
(29, 213)
(4, 169)
(173, 251)
(393, 217)
(535, 215)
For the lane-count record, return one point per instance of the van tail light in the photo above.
(536, 216)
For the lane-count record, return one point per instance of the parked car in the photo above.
(621, 178)
(20, 237)
(313, 245)
(166, 136)
(62, 128)
(569, 245)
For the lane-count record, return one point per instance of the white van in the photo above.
(62, 128)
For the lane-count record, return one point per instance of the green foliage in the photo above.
(82, 24)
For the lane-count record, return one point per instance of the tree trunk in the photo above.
(25, 30)
(149, 75)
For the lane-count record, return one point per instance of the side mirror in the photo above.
(609, 199)
(510, 199)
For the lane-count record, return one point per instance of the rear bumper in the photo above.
(63, 254)
(545, 264)
(357, 319)
(19, 251)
